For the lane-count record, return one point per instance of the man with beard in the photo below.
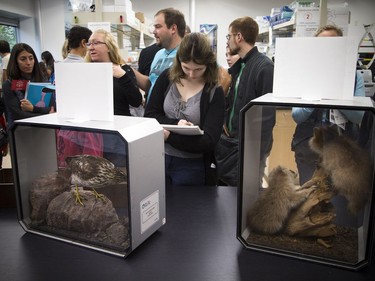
(169, 29)
(252, 77)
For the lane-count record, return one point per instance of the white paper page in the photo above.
(184, 130)
(315, 67)
(84, 91)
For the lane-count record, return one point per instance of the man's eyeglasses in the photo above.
(228, 36)
(95, 43)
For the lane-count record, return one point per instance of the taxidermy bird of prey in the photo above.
(94, 172)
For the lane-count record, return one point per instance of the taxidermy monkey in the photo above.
(348, 166)
(272, 208)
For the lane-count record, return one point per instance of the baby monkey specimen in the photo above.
(281, 207)
(348, 166)
(272, 208)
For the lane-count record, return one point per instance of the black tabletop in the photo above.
(198, 242)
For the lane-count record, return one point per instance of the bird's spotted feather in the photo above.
(93, 171)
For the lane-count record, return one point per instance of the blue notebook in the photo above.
(39, 94)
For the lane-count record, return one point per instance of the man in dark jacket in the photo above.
(252, 77)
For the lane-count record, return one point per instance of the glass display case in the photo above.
(307, 179)
(97, 184)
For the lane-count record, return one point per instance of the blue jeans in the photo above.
(184, 171)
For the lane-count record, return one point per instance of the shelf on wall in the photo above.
(119, 22)
(286, 26)
(290, 24)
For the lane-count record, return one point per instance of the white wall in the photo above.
(52, 33)
(49, 35)
(149, 8)
(25, 10)
(42, 29)
(209, 12)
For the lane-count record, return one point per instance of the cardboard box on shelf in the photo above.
(140, 16)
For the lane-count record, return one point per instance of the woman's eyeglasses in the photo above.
(95, 43)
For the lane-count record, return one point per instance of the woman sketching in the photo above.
(188, 94)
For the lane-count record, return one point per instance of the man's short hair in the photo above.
(76, 35)
(173, 16)
(329, 27)
(248, 28)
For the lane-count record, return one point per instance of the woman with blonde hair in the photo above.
(102, 47)
(189, 94)
(65, 49)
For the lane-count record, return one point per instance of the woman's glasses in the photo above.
(95, 43)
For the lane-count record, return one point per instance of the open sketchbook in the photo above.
(183, 130)
(39, 94)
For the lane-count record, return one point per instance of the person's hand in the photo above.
(26, 105)
(166, 134)
(118, 71)
(184, 122)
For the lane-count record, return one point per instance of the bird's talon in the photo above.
(98, 195)
(78, 200)
(78, 197)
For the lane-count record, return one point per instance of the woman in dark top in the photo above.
(189, 94)
(23, 67)
(103, 48)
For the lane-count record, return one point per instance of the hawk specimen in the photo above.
(94, 172)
